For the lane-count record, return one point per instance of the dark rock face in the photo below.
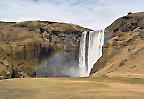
(124, 38)
(127, 23)
(25, 45)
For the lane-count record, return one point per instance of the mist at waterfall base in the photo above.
(62, 63)
(59, 64)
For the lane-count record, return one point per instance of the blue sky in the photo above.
(94, 14)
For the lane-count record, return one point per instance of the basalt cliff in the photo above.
(25, 45)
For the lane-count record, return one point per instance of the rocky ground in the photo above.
(123, 53)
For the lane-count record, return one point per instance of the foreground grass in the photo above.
(72, 88)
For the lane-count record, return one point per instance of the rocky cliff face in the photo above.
(25, 45)
(123, 52)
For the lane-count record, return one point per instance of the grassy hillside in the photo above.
(123, 53)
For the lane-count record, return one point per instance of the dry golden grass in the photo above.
(72, 88)
(127, 61)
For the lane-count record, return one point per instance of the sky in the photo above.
(94, 14)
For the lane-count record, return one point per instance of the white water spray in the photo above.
(90, 50)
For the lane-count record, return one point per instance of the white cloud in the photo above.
(94, 14)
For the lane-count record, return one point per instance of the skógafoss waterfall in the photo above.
(60, 64)
(90, 50)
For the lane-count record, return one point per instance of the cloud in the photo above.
(93, 14)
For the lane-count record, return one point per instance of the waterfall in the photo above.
(82, 52)
(90, 50)
(65, 63)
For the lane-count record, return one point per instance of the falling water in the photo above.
(90, 50)
(65, 63)
(82, 52)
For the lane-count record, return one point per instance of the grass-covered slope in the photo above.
(123, 53)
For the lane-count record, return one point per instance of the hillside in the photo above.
(25, 45)
(123, 52)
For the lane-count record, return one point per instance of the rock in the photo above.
(124, 49)
(127, 23)
(25, 45)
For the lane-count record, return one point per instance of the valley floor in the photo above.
(72, 88)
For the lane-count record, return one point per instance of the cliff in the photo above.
(123, 52)
(25, 45)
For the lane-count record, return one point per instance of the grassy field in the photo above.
(72, 88)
